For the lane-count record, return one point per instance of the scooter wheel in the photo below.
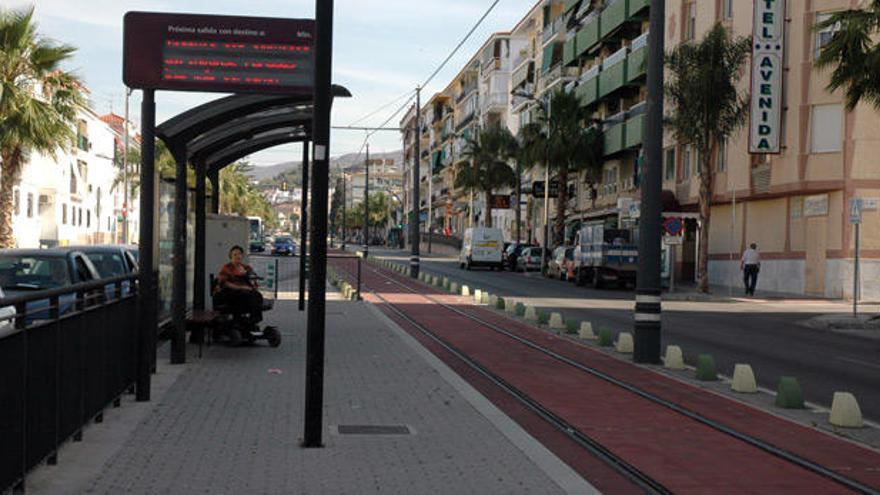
(273, 336)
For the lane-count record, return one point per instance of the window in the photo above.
(64, 214)
(16, 202)
(722, 156)
(690, 27)
(826, 128)
(82, 135)
(88, 218)
(823, 36)
(669, 172)
(686, 157)
(72, 180)
(79, 217)
(727, 9)
(30, 205)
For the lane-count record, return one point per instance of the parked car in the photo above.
(605, 256)
(284, 246)
(111, 260)
(7, 324)
(560, 262)
(481, 246)
(513, 252)
(24, 271)
(530, 259)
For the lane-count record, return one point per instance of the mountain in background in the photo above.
(293, 169)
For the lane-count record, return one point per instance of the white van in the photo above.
(482, 246)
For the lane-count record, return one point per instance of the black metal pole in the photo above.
(366, 229)
(304, 228)
(214, 177)
(518, 211)
(199, 270)
(344, 218)
(648, 309)
(314, 399)
(416, 213)
(146, 291)
(178, 286)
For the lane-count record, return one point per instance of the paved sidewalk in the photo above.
(231, 423)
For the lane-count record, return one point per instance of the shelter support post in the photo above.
(199, 268)
(214, 177)
(178, 286)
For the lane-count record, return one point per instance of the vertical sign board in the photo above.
(768, 47)
(227, 54)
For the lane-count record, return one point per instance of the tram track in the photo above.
(621, 465)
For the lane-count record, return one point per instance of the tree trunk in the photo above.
(11, 169)
(517, 210)
(488, 213)
(561, 206)
(706, 189)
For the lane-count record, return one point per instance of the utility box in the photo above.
(221, 233)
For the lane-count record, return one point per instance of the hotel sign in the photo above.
(768, 46)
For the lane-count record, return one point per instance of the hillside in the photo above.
(292, 169)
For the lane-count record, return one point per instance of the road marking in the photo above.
(858, 361)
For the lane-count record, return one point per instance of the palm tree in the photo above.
(485, 168)
(854, 54)
(38, 103)
(706, 109)
(568, 143)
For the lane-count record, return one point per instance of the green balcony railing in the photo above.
(612, 78)
(569, 51)
(569, 4)
(638, 8)
(637, 64)
(635, 131)
(588, 91)
(588, 36)
(614, 138)
(613, 17)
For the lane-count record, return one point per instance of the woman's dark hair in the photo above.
(236, 248)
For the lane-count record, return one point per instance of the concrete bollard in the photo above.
(624, 343)
(556, 321)
(509, 306)
(486, 299)
(453, 287)
(437, 282)
(493, 301)
(674, 359)
(744, 380)
(586, 331)
(531, 314)
(445, 282)
(465, 291)
(478, 296)
(845, 411)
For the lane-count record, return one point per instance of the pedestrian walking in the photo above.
(750, 264)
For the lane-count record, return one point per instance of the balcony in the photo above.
(523, 75)
(490, 66)
(465, 92)
(588, 89)
(523, 55)
(613, 74)
(588, 36)
(465, 120)
(638, 8)
(569, 51)
(636, 61)
(551, 30)
(613, 17)
(615, 134)
(494, 101)
(569, 4)
(635, 131)
(557, 74)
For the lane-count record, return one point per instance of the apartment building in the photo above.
(73, 197)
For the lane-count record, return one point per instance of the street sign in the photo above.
(227, 54)
(768, 48)
(673, 226)
(500, 201)
(538, 189)
(855, 211)
(673, 240)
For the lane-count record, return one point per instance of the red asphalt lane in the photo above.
(682, 454)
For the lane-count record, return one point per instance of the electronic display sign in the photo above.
(227, 54)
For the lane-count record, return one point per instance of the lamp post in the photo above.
(546, 108)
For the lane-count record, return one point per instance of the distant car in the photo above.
(111, 260)
(560, 262)
(481, 246)
(530, 259)
(7, 324)
(512, 252)
(284, 246)
(256, 246)
(24, 271)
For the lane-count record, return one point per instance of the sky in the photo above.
(382, 49)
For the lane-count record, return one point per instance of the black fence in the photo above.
(65, 356)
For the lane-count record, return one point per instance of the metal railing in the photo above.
(65, 355)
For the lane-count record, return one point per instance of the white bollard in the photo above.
(556, 322)
(624, 343)
(493, 301)
(465, 291)
(478, 296)
(531, 313)
(586, 331)
(510, 306)
(744, 380)
(674, 359)
(845, 411)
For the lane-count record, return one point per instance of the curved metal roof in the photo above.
(246, 147)
(221, 137)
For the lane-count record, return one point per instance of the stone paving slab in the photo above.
(231, 423)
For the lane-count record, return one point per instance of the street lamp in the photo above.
(546, 108)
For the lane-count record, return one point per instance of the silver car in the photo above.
(529, 259)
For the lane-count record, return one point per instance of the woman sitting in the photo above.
(237, 287)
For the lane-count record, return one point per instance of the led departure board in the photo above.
(228, 54)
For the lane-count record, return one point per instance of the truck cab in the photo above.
(605, 256)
